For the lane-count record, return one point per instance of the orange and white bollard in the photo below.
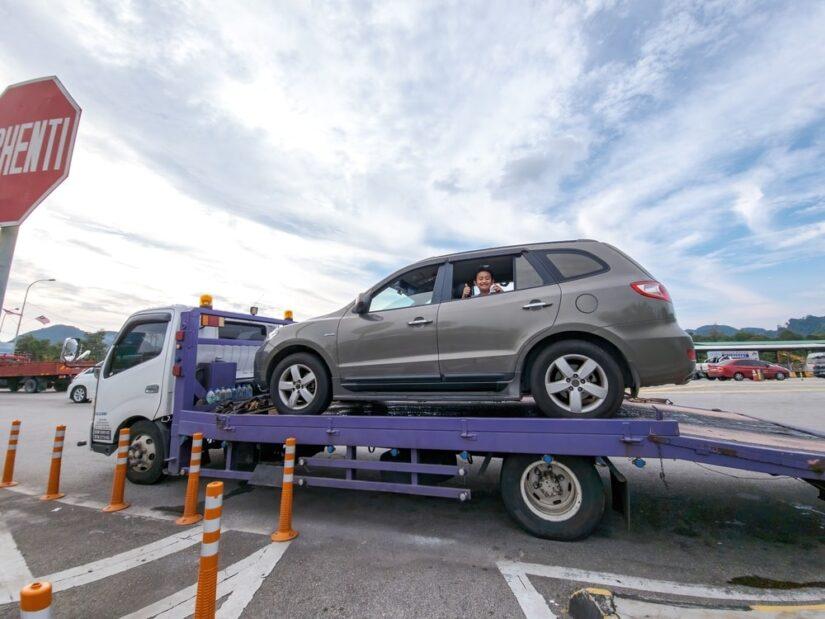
(207, 591)
(11, 452)
(190, 503)
(285, 531)
(116, 503)
(53, 488)
(36, 600)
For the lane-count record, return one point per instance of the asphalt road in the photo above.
(368, 554)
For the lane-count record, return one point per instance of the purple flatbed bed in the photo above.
(642, 430)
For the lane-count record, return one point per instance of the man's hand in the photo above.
(465, 294)
(496, 288)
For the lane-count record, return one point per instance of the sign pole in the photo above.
(8, 239)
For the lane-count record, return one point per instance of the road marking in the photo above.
(531, 601)
(14, 571)
(240, 581)
(533, 604)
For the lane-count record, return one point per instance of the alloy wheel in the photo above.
(576, 383)
(297, 386)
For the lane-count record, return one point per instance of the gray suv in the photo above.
(573, 324)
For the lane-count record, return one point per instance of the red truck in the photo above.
(19, 371)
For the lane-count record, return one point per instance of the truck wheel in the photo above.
(576, 379)
(78, 394)
(562, 500)
(147, 452)
(300, 385)
(14, 386)
(30, 385)
(61, 384)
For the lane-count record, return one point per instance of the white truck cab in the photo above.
(136, 386)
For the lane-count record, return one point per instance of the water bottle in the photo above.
(211, 397)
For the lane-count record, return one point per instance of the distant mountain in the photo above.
(769, 333)
(55, 334)
(710, 329)
(808, 325)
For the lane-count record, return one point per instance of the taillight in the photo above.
(651, 288)
(692, 354)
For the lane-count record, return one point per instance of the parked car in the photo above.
(576, 323)
(84, 385)
(740, 369)
(815, 363)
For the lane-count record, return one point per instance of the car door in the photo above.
(133, 375)
(392, 346)
(480, 338)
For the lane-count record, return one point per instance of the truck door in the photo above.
(133, 377)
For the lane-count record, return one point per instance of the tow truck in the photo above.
(176, 371)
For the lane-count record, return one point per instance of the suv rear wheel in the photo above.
(576, 379)
(300, 385)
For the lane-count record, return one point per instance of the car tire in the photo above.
(30, 385)
(780, 376)
(302, 371)
(147, 453)
(739, 376)
(599, 394)
(568, 508)
(79, 395)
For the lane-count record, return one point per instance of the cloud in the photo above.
(292, 154)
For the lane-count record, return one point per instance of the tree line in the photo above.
(43, 350)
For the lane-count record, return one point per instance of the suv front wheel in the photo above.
(300, 385)
(576, 379)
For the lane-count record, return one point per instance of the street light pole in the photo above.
(23, 307)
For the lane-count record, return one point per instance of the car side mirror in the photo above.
(70, 349)
(362, 303)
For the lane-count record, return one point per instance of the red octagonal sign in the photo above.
(38, 125)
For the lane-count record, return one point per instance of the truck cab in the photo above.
(136, 387)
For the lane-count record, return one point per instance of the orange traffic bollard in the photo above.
(36, 600)
(116, 503)
(53, 489)
(190, 504)
(285, 531)
(207, 591)
(11, 452)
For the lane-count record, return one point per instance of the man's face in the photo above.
(484, 281)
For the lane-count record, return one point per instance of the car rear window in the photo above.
(242, 331)
(575, 264)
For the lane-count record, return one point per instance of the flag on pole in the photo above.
(12, 312)
(42, 320)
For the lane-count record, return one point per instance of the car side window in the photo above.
(410, 290)
(526, 274)
(576, 264)
(140, 343)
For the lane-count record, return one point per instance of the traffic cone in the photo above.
(36, 600)
(754, 375)
(119, 482)
(285, 531)
(207, 590)
(53, 487)
(190, 503)
(11, 452)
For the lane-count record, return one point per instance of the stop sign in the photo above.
(38, 125)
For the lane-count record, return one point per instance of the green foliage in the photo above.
(94, 343)
(37, 350)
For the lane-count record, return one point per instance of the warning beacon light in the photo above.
(287, 314)
(253, 310)
(206, 301)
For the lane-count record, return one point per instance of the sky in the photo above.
(291, 154)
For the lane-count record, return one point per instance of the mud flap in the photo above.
(619, 492)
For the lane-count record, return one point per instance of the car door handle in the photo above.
(419, 321)
(535, 304)
(152, 389)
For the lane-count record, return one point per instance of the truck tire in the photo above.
(300, 385)
(78, 395)
(61, 384)
(560, 390)
(561, 500)
(147, 453)
(30, 385)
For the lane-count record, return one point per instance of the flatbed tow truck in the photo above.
(549, 481)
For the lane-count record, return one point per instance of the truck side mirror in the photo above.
(362, 303)
(69, 351)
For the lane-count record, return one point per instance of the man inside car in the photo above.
(484, 282)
